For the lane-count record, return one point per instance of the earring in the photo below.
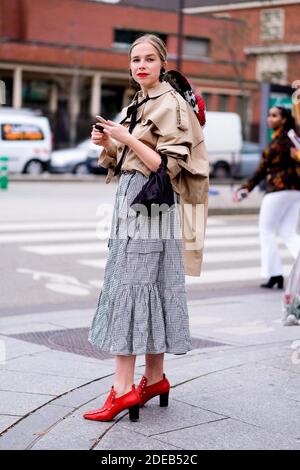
(162, 74)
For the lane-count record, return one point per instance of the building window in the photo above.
(223, 103)
(207, 100)
(272, 68)
(272, 24)
(196, 47)
(123, 38)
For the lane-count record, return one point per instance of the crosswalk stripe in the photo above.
(236, 230)
(48, 236)
(58, 225)
(208, 260)
(93, 263)
(67, 248)
(233, 242)
(208, 277)
(39, 226)
(230, 275)
(92, 235)
(98, 247)
(80, 238)
(232, 256)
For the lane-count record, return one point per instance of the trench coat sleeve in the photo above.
(174, 138)
(108, 159)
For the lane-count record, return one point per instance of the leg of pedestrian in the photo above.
(288, 225)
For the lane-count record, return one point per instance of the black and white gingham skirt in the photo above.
(142, 306)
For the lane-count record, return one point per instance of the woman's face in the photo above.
(275, 119)
(145, 65)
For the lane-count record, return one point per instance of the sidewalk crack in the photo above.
(188, 427)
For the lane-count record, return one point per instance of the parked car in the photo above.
(92, 164)
(25, 137)
(74, 160)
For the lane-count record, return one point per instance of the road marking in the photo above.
(67, 248)
(39, 226)
(93, 263)
(248, 230)
(61, 283)
(48, 236)
(230, 275)
(207, 276)
(234, 242)
(209, 258)
(219, 236)
(100, 247)
(58, 225)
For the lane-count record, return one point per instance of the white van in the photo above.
(26, 139)
(223, 140)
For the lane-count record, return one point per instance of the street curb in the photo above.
(55, 178)
(68, 177)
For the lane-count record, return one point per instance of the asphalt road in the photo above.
(52, 258)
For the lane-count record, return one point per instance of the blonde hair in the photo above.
(155, 41)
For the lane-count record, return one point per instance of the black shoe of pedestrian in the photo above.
(273, 281)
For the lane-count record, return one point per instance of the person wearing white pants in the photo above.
(280, 208)
(279, 213)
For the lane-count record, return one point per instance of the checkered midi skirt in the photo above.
(142, 306)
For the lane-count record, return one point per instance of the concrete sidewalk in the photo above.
(238, 389)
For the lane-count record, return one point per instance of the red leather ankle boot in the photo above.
(113, 406)
(160, 388)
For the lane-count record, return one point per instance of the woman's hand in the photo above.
(99, 138)
(240, 194)
(295, 154)
(116, 131)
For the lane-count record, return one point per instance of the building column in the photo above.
(74, 106)
(17, 88)
(53, 99)
(95, 104)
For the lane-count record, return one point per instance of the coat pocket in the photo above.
(142, 261)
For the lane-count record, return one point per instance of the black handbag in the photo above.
(158, 189)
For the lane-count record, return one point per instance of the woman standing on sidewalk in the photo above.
(281, 204)
(142, 307)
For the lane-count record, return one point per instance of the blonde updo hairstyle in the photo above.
(158, 45)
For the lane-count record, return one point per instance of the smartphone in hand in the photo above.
(242, 194)
(98, 126)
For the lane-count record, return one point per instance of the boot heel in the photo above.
(280, 284)
(134, 413)
(164, 399)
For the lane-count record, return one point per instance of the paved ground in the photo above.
(241, 394)
(53, 258)
(237, 389)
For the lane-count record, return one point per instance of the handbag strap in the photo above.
(132, 114)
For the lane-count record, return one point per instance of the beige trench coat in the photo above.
(168, 125)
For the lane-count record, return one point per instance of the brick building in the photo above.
(272, 51)
(69, 57)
